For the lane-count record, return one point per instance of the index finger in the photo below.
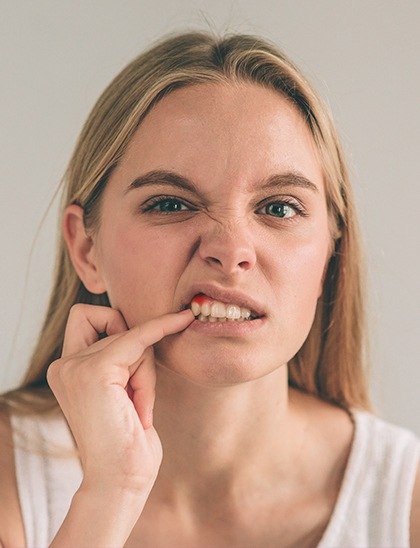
(121, 352)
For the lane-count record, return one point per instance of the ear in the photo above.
(81, 249)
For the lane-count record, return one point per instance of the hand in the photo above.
(106, 390)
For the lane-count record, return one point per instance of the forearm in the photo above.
(99, 519)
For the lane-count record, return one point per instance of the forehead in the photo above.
(209, 132)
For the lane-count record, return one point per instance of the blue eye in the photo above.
(165, 205)
(284, 210)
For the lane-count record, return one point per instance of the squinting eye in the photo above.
(166, 205)
(282, 209)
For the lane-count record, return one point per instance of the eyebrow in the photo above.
(165, 177)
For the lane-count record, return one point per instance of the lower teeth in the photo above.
(210, 319)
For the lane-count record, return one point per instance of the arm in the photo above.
(415, 513)
(99, 519)
(106, 390)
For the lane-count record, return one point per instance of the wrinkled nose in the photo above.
(228, 247)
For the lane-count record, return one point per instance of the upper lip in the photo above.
(225, 295)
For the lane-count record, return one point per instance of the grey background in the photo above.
(362, 56)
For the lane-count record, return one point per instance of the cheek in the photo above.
(306, 268)
(301, 272)
(141, 266)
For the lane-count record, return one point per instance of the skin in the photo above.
(223, 403)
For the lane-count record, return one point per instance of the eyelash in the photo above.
(161, 199)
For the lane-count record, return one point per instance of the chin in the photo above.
(218, 369)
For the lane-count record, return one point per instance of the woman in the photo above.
(204, 343)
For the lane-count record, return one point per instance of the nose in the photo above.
(228, 247)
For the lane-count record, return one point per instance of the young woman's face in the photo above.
(269, 243)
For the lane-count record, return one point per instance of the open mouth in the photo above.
(206, 309)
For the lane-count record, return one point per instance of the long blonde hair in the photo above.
(332, 362)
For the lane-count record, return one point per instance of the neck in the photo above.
(238, 443)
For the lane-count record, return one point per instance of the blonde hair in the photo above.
(332, 362)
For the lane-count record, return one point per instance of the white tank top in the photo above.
(372, 509)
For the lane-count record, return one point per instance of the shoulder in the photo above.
(11, 522)
(397, 452)
(391, 449)
(387, 443)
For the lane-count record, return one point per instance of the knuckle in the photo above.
(61, 367)
(52, 371)
(77, 308)
(72, 371)
(49, 374)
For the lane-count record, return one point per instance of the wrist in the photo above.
(115, 491)
(100, 516)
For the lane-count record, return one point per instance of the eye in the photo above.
(165, 205)
(284, 209)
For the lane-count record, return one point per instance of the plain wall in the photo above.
(362, 56)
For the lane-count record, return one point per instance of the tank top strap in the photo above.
(374, 502)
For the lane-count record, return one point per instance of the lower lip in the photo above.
(227, 328)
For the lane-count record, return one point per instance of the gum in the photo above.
(200, 299)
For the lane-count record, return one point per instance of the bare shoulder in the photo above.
(11, 523)
(415, 513)
(333, 424)
(330, 434)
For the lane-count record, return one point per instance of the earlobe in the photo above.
(81, 248)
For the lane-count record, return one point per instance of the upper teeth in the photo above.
(217, 309)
